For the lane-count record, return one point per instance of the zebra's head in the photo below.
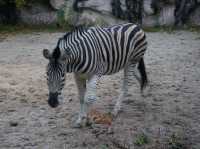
(55, 75)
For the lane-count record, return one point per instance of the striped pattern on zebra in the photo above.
(94, 52)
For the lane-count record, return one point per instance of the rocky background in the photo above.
(103, 12)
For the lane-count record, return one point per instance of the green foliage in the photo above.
(20, 3)
(61, 17)
(63, 23)
(100, 21)
(141, 140)
(2, 2)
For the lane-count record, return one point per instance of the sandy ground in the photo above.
(168, 114)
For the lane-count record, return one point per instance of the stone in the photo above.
(195, 17)
(44, 18)
(93, 12)
(166, 16)
(150, 21)
(147, 7)
(100, 13)
(103, 6)
(38, 14)
(57, 4)
(90, 18)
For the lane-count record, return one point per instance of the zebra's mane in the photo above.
(76, 29)
(56, 52)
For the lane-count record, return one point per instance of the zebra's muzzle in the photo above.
(53, 100)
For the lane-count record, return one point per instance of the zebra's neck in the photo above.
(73, 42)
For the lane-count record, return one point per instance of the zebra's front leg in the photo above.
(87, 93)
(81, 85)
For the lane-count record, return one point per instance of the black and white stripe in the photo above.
(103, 50)
(96, 51)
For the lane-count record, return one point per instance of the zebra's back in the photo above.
(103, 50)
(119, 44)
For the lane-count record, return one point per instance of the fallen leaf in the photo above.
(100, 118)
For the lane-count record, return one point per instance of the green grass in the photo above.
(193, 29)
(177, 142)
(142, 139)
(15, 29)
(158, 29)
(172, 29)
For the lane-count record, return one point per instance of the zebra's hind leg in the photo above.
(126, 82)
(91, 87)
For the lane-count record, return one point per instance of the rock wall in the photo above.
(8, 12)
(108, 12)
(145, 12)
(194, 18)
(38, 14)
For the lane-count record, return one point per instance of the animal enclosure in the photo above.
(168, 114)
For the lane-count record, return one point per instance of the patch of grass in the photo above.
(193, 28)
(176, 142)
(103, 146)
(21, 3)
(15, 29)
(171, 29)
(159, 29)
(198, 38)
(21, 28)
(142, 139)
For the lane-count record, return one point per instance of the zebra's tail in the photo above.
(142, 70)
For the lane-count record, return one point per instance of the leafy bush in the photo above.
(21, 3)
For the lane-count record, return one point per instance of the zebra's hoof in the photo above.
(79, 123)
(76, 125)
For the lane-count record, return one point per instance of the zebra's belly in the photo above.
(112, 69)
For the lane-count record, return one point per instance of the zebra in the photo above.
(90, 53)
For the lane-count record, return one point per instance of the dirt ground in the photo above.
(166, 117)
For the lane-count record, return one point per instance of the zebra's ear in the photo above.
(46, 54)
